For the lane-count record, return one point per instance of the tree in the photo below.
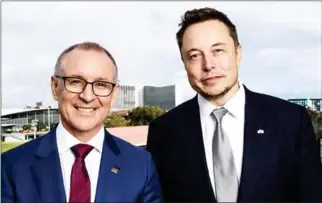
(143, 115)
(41, 126)
(316, 118)
(319, 126)
(319, 134)
(314, 115)
(115, 120)
(26, 127)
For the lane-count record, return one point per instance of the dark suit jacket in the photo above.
(32, 173)
(283, 164)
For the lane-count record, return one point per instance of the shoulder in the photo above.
(275, 104)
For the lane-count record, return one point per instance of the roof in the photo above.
(6, 112)
(298, 99)
(7, 125)
(10, 111)
(136, 135)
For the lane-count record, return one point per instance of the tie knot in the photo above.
(219, 113)
(81, 150)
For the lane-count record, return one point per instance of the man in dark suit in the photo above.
(79, 161)
(228, 143)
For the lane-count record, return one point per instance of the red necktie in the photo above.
(80, 190)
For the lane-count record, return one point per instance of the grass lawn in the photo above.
(5, 146)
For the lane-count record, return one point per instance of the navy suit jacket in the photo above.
(283, 164)
(32, 173)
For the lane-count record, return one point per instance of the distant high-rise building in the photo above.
(126, 98)
(167, 97)
(314, 104)
(139, 95)
(160, 96)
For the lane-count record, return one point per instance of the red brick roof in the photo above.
(137, 135)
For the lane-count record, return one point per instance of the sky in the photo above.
(281, 44)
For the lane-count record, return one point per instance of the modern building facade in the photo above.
(315, 104)
(167, 97)
(18, 118)
(126, 98)
(139, 96)
(160, 96)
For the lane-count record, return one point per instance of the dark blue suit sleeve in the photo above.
(310, 163)
(7, 194)
(152, 190)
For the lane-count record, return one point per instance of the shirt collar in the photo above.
(234, 105)
(65, 140)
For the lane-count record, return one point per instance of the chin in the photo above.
(85, 125)
(214, 92)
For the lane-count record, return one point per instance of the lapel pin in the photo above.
(260, 131)
(115, 170)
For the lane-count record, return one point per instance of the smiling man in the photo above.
(228, 143)
(79, 161)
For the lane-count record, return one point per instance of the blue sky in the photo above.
(281, 43)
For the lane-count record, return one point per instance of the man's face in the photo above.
(84, 112)
(210, 58)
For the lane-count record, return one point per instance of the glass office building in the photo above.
(126, 98)
(18, 119)
(160, 96)
(314, 104)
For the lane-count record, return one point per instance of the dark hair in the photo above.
(203, 14)
(84, 46)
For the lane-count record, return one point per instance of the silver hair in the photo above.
(84, 46)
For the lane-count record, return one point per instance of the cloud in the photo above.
(281, 41)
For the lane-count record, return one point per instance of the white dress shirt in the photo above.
(232, 124)
(92, 161)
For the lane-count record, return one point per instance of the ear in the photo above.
(115, 93)
(239, 55)
(181, 56)
(54, 87)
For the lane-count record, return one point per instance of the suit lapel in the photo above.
(108, 187)
(46, 170)
(258, 142)
(193, 139)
